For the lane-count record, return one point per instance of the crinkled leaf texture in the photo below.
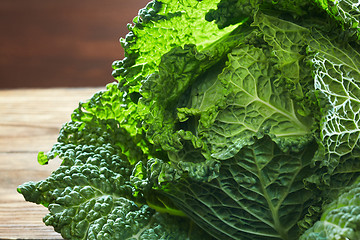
(259, 90)
(346, 12)
(259, 194)
(90, 196)
(341, 218)
(337, 79)
(255, 106)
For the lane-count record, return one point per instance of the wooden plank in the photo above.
(17, 168)
(21, 220)
(31, 119)
(29, 122)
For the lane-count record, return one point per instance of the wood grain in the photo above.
(29, 122)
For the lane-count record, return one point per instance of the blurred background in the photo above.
(67, 43)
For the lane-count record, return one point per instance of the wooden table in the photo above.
(29, 122)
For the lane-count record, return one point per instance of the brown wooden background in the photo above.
(67, 43)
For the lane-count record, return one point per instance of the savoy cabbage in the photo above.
(229, 119)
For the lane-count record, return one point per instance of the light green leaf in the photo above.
(254, 106)
(288, 42)
(161, 26)
(165, 91)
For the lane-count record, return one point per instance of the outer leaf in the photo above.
(88, 193)
(110, 106)
(164, 91)
(159, 27)
(340, 219)
(288, 41)
(91, 195)
(254, 106)
(249, 104)
(259, 194)
(337, 77)
(346, 12)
